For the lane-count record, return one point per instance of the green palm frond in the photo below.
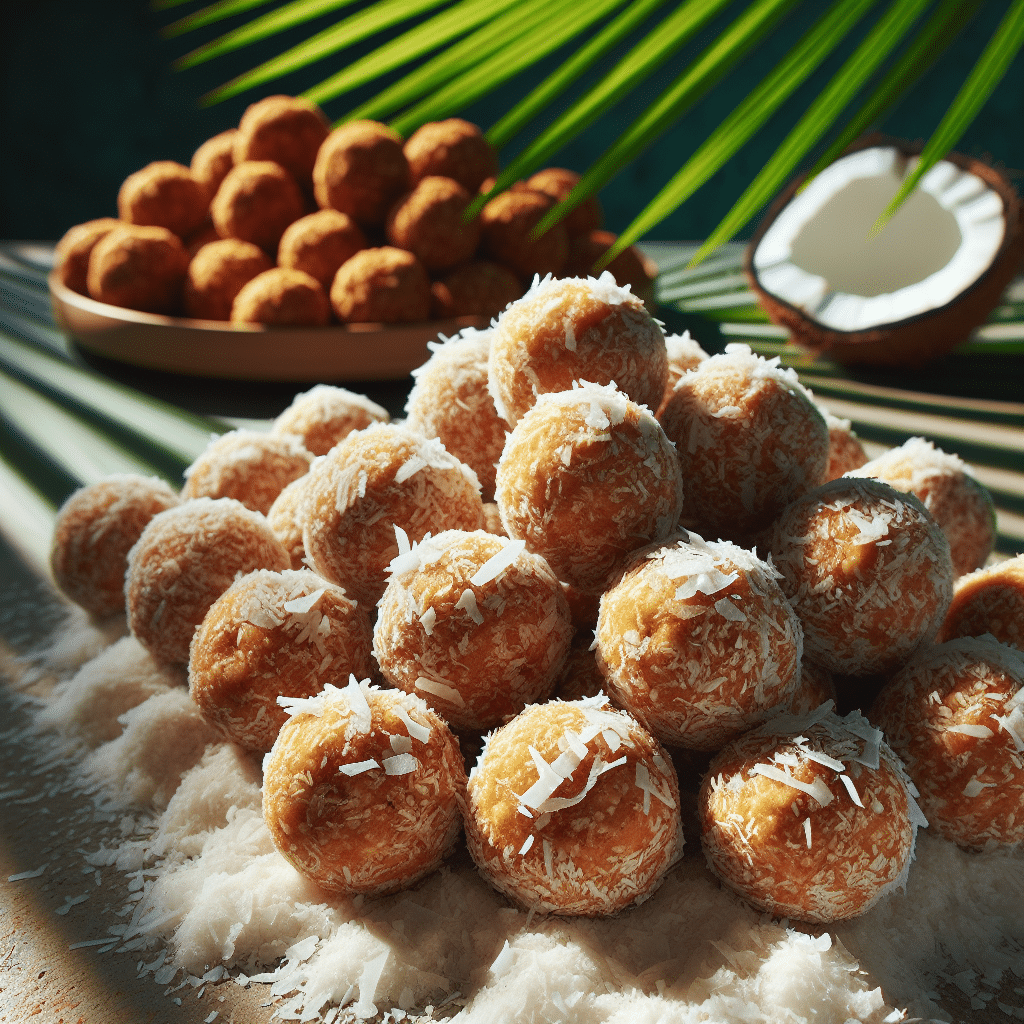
(441, 56)
(1005, 44)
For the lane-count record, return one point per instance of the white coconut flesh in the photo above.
(822, 254)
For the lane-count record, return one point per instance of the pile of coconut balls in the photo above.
(285, 222)
(591, 560)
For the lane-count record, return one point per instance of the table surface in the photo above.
(68, 418)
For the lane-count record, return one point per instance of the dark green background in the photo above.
(88, 95)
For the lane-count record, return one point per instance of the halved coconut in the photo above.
(903, 295)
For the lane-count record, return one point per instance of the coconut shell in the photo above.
(916, 340)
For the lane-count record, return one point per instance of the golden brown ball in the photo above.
(507, 227)
(381, 285)
(629, 267)
(138, 267)
(213, 159)
(453, 148)
(430, 221)
(256, 201)
(286, 129)
(163, 194)
(216, 275)
(361, 170)
(845, 451)
(480, 288)
(558, 182)
(319, 243)
(280, 297)
(72, 252)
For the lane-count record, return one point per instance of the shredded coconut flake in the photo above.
(304, 605)
(416, 731)
(442, 690)
(467, 603)
(498, 563)
(816, 789)
(400, 764)
(851, 789)
(978, 731)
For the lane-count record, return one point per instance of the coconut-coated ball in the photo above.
(697, 640)
(750, 440)
(185, 558)
(364, 788)
(569, 329)
(989, 600)
(248, 465)
(868, 571)
(474, 624)
(809, 817)
(449, 400)
(586, 477)
(574, 809)
(955, 714)
(377, 479)
(948, 488)
(327, 414)
(270, 635)
(95, 529)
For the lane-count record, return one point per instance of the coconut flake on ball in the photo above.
(566, 328)
(556, 843)
(837, 838)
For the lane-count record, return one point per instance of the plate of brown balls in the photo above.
(289, 249)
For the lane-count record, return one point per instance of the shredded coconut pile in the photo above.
(212, 900)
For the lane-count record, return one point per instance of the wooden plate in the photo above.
(213, 348)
